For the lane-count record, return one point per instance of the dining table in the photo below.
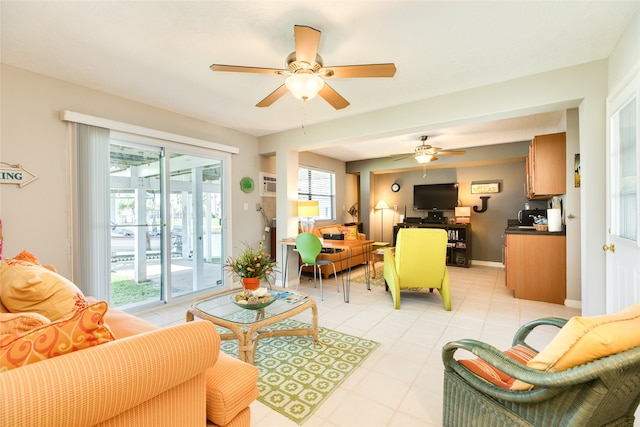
(345, 247)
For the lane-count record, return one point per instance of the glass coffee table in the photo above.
(247, 325)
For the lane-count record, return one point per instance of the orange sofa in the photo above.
(339, 258)
(147, 376)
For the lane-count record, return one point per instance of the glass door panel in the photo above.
(136, 231)
(195, 200)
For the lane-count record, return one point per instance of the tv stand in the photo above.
(458, 245)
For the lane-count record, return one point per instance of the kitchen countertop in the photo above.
(519, 230)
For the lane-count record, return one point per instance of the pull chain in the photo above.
(303, 116)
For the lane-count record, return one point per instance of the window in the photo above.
(314, 184)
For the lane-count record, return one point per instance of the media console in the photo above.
(458, 245)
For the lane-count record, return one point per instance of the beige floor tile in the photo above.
(400, 383)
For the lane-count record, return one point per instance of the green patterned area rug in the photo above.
(295, 376)
(375, 281)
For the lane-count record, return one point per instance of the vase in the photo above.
(250, 283)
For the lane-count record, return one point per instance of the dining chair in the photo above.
(309, 247)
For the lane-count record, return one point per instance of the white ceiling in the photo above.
(159, 53)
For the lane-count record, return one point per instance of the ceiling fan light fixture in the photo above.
(423, 158)
(304, 86)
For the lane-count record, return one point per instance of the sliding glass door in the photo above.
(166, 234)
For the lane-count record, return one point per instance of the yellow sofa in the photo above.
(147, 376)
(340, 259)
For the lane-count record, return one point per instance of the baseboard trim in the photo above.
(487, 263)
(573, 303)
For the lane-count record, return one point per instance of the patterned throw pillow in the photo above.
(350, 232)
(85, 329)
(17, 323)
(29, 287)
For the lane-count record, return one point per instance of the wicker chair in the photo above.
(604, 392)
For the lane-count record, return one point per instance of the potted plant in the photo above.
(251, 266)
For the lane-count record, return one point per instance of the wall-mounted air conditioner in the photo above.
(267, 184)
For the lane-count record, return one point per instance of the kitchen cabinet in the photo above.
(546, 165)
(535, 266)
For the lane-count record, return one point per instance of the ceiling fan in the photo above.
(306, 72)
(426, 153)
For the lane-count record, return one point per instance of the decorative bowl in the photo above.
(264, 299)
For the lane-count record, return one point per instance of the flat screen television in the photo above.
(439, 197)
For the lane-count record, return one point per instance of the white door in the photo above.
(622, 248)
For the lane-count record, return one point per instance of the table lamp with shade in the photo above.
(463, 215)
(307, 209)
(382, 205)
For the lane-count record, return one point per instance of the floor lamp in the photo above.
(308, 209)
(382, 205)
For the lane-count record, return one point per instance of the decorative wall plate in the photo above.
(246, 184)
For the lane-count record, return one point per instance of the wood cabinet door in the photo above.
(536, 267)
(546, 166)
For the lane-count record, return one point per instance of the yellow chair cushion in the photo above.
(29, 287)
(584, 339)
(17, 323)
(83, 330)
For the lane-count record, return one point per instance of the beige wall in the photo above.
(583, 87)
(39, 216)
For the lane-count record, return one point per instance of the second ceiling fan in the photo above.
(306, 71)
(425, 153)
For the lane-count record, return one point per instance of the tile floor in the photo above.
(400, 384)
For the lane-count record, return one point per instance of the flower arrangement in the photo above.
(353, 211)
(251, 263)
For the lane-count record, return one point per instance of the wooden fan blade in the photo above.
(330, 95)
(452, 152)
(272, 97)
(404, 157)
(367, 70)
(241, 69)
(307, 42)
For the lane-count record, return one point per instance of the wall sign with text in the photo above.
(15, 174)
(485, 187)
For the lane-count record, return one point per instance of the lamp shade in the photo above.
(463, 211)
(382, 205)
(463, 215)
(308, 208)
(304, 86)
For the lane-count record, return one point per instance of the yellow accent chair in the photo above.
(419, 261)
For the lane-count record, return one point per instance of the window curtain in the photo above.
(94, 244)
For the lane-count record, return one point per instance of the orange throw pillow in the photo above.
(85, 329)
(28, 287)
(585, 339)
(495, 376)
